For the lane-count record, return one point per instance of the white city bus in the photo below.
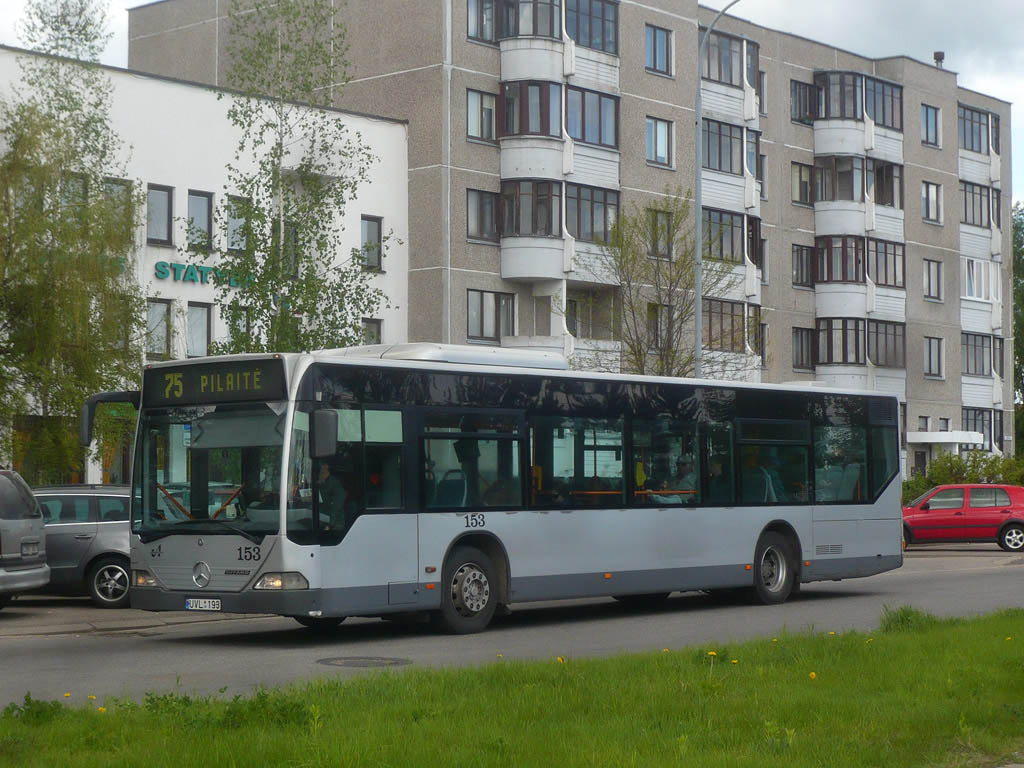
(453, 480)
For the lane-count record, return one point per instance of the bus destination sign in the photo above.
(219, 382)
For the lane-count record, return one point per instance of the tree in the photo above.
(650, 254)
(70, 307)
(291, 287)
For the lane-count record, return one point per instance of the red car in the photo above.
(967, 513)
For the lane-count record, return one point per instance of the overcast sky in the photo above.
(982, 39)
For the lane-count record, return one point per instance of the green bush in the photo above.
(968, 467)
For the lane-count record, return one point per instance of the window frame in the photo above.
(651, 151)
(586, 196)
(152, 354)
(730, 147)
(933, 357)
(499, 309)
(887, 343)
(602, 99)
(511, 190)
(492, 139)
(207, 244)
(803, 273)
(885, 249)
(972, 129)
(169, 192)
(714, 225)
(799, 185)
(372, 325)
(476, 9)
(845, 87)
(975, 354)
(851, 336)
(803, 348)
(208, 308)
(652, 33)
(889, 97)
(929, 283)
(368, 264)
(517, 92)
(927, 110)
(655, 218)
(495, 199)
(803, 102)
(935, 217)
(573, 24)
(851, 265)
(975, 205)
(510, 10)
(714, 52)
(716, 308)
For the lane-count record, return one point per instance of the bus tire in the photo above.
(774, 569)
(319, 623)
(469, 592)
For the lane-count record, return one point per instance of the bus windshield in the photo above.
(210, 469)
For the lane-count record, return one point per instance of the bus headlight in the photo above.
(289, 580)
(143, 579)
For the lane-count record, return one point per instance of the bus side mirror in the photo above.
(324, 433)
(926, 505)
(89, 410)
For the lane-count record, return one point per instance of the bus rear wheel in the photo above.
(774, 569)
(469, 592)
(319, 623)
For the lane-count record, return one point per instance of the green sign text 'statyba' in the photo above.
(190, 273)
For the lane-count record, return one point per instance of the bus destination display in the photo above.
(222, 382)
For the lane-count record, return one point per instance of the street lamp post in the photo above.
(698, 278)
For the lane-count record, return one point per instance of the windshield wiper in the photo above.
(193, 526)
(240, 531)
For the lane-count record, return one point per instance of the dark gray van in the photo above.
(22, 538)
(87, 540)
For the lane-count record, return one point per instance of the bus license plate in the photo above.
(201, 604)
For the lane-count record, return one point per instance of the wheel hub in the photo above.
(773, 569)
(471, 590)
(1014, 539)
(111, 583)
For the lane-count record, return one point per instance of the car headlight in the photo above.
(289, 580)
(143, 579)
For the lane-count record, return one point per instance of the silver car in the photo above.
(22, 539)
(87, 541)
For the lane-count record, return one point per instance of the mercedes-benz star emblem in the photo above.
(201, 574)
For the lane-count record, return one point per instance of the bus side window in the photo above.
(721, 483)
(471, 461)
(840, 464)
(666, 462)
(577, 462)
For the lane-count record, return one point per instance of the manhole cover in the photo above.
(364, 661)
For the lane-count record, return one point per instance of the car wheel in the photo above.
(1012, 538)
(908, 537)
(774, 569)
(469, 592)
(108, 582)
(320, 623)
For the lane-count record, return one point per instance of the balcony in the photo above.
(840, 217)
(531, 157)
(533, 58)
(841, 299)
(530, 259)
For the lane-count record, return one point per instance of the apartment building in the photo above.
(862, 205)
(177, 144)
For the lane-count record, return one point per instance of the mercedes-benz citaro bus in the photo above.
(456, 480)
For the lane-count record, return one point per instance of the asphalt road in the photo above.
(49, 646)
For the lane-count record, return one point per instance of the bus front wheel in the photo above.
(774, 569)
(469, 592)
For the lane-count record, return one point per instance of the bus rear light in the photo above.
(431, 586)
(607, 575)
(288, 580)
(430, 569)
(748, 567)
(143, 579)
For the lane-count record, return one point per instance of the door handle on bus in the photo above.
(83, 536)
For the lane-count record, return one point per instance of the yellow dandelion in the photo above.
(501, 656)
(664, 650)
(831, 634)
(712, 653)
(91, 697)
(775, 639)
(561, 660)
(868, 641)
(735, 661)
(67, 695)
(101, 709)
(813, 675)
(1009, 637)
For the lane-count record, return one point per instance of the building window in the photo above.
(762, 341)
(802, 183)
(200, 220)
(884, 183)
(531, 208)
(803, 102)
(489, 315)
(994, 119)
(592, 117)
(931, 201)
(943, 424)
(974, 205)
(237, 216)
(922, 423)
(723, 236)
(158, 329)
(975, 279)
(593, 24)
(480, 115)
(930, 125)
(972, 126)
(572, 314)
(723, 147)
(481, 20)
(532, 108)
(762, 89)
(978, 420)
(371, 242)
(997, 356)
(975, 354)
(840, 340)
(371, 330)
(884, 103)
(886, 263)
(590, 213)
(659, 141)
(723, 325)
(658, 53)
(932, 356)
(661, 234)
(658, 316)
(528, 18)
(838, 178)
(753, 152)
(481, 215)
(197, 341)
(840, 259)
(759, 175)
(839, 95)
(887, 344)
(803, 349)
(803, 257)
(723, 59)
(933, 279)
(755, 243)
(159, 213)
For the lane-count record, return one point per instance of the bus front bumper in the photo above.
(297, 602)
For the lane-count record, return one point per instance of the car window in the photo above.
(65, 509)
(983, 497)
(1002, 497)
(16, 500)
(113, 508)
(950, 498)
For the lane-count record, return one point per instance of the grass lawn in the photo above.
(917, 692)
